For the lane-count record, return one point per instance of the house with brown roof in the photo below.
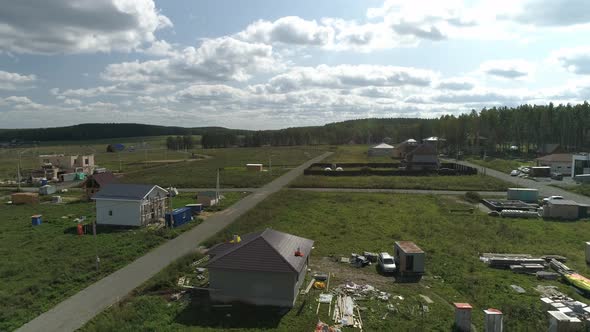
(423, 157)
(559, 162)
(95, 182)
(261, 268)
(403, 148)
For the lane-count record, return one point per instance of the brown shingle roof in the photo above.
(268, 251)
(409, 247)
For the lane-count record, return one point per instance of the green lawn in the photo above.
(232, 161)
(43, 265)
(341, 223)
(355, 154)
(435, 182)
(582, 189)
(502, 165)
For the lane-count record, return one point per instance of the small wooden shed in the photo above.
(25, 198)
(410, 260)
(254, 167)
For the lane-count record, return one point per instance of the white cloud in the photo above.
(575, 60)
(507, 69)
(288, 30)
(343, 76)
(63, 26)
(457, 83)
(15, 81)
(548, 13)
(220, 59)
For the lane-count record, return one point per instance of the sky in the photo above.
(276, 63)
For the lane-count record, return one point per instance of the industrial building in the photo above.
(262, 268)
(410, 260)
(381, 150)
(559, 162)
(565, 209)
(130, 204)
(580, 164)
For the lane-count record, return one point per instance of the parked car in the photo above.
(557, 176)
(551, 198)
(514, 172)
(386, 263)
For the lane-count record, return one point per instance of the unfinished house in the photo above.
(95, 182)
(130, 204)
(63, 164)
(410, 260)
(262, 268)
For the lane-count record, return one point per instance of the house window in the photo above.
(110, 212)
(86, 162)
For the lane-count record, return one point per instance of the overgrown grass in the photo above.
(582, 189)
(434, 182)
(355, 154)
(501, 165)
(44, 265)
(341, 223)
(232, 162)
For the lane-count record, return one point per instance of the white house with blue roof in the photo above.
(130, 204)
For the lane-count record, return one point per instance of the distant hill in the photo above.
(90, 131)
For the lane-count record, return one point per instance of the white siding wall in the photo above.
(124, 213)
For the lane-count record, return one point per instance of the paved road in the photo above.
(74, 312)
(544, 189)
(239, 190)
(401, 191)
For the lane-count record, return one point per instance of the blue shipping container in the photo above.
(181, 216)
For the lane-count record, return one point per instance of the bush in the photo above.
(473, 197)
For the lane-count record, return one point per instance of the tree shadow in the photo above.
(202, 312)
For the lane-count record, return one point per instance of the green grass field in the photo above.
(232, 162)
(582, 189)
(434, 182)
(43, 265)
(341, 223)
(501, 165)
(355, 154)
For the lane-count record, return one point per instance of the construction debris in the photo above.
(553, 300)
(311, 282)
(323, 327)
(504, 261)
(426, 299)
(517, 289)
(547, 275)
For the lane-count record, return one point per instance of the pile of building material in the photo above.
(519, 214)
(563, 310)
(505, 261)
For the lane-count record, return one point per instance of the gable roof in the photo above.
(267, 251)
(557, 157)
(133, 192)
(383, 146)
(102, 179)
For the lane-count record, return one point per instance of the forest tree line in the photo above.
(496, 129)
(185, 142)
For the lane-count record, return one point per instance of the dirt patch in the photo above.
(345, 272)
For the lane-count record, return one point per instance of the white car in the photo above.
(514, 172)
(550, 198)
(386, 263)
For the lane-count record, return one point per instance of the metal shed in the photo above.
(262, 268)
(410, 260)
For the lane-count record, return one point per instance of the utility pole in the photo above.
(18, 172)
(95, 246)
(217, 189)
(270, 164)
